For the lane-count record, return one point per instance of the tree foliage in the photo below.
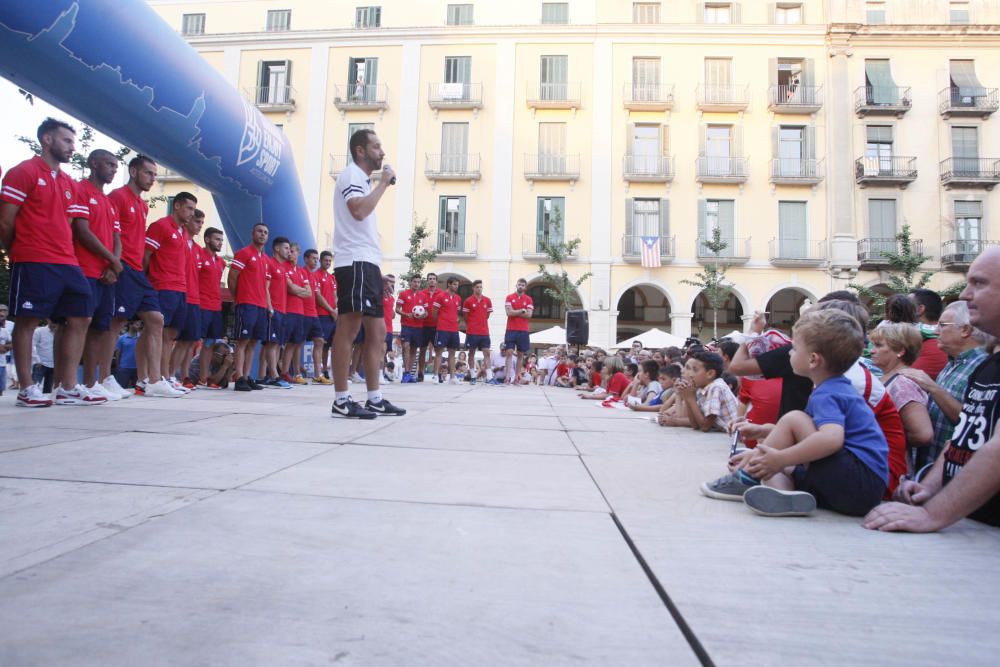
(561, 287)
(904, 275)
(712, 281)
(418, 254)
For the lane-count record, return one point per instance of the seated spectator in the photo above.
(595, 377)
(461, 370)
(560, 376)
(632, 373)
(704, 401)
(615, 381)
(727, 348)
(498, 362)
(965, 479)
(928, 305)
(895, 346)
(832, 455)
(759, 401)
(648, 387)
(659, 358)
(900, 308)
(666, 377)
(578, 375)
(219, 369)
(674, 354)
(732, 382)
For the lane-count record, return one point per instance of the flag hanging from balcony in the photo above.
(650, 254)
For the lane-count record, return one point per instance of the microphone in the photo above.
(392, 181)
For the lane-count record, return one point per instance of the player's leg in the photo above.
(348, 325)
(24, 330)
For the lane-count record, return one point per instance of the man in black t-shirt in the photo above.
(965, 479)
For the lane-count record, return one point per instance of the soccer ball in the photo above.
(419, 312)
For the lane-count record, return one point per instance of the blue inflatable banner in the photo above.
(117, 66)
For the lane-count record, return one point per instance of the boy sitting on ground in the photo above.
(703, 400)
(662, 388)
(834, 454)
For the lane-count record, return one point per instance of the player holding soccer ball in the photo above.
(412, 308)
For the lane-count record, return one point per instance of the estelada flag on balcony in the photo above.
(650, 252)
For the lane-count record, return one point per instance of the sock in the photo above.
(489, 373)
(375, 396)
(746, 478)
(342, 397)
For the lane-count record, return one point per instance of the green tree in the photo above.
(561, 287)
(712, 281)
(904, 275)
(419, 255)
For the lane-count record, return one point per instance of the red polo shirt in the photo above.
(309, 303)
(251, 288)
(210, 280)
(518, 302)
(102, 218)
(432, 317)
(325, 287)
(295, 305)
(47, 200)
(477, 316)
(279, 286)
(132, 213)
(446, 307)
(388, 311)
(410, 298)
(168, 265)
(194, 271)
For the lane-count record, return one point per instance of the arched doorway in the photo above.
(730, 317)
(783, 308)
(640, 309)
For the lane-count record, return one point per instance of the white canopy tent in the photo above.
(552, 336)
(654, 338)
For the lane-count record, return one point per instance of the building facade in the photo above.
(808, 133)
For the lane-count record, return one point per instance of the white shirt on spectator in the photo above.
(41, 347)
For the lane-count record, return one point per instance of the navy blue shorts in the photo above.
(329, 326)
(212, 324)
(428, 337)
(447, 339)
(842, 483)
(294, 331)
(313, 328)
(517, 340)
(192, 324)
(102, 304)
(251, 322)
(275, 328)
(134, 294)
(42, 290)
(173, 305)
(477, 342)
(412, 335)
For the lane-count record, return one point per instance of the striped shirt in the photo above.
(953, 378)
(354, 240)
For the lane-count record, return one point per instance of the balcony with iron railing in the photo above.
(737, 251)
(895, 170)
(632, 248)
(453, 167)
(970, 172)
(533, 246)
(272, 98)
(882, 101)
(721, 169)
(360, 97)
(338, 163)
(554, 95)
(871, 252)
(551, 167)
(959, 101)
(796, 171)
(794, 99)
(648, 168)
(648, 96)
(455, 95)
(164, 175)
(957, 255)
(797, 252)
(723, 98)
(453, 244)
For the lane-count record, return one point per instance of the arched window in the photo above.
(546, 308)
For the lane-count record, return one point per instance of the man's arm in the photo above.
(147, 255)
(950, 406)
(87, 238)
(232, 280)
(321, 302)
(507, 309)
(267, 294)
(743, 364)
(8, 212)
(362, 207)
(294, 289)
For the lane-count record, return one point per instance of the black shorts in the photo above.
(842, 483)
(359, 289)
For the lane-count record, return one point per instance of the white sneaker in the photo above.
(112, 387)
(357, 378)
(32, 397)
(452, 381)
(162, 389)
(99, 390)
(177, 386)
(78, 395)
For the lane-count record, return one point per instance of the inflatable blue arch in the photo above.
(117, 66)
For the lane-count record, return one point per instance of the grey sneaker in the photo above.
(768, 501)
(727, 487)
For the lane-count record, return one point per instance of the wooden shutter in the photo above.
(664, 222)
(442, 222)
(629, 223)
(703, 231)
(460, 242)
(734, 13)
(809, 137)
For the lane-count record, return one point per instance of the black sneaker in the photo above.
(242, 385)
(351, 410)
(254, 385)
(384, 408)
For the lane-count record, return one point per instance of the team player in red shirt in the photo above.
(298, 292)
(328, 320)
(190, 333)
(318, 278)
(210, 288)
(134, 295)
(411, 331)
(37, 200)
(97, 242)
(447, 307)
(477, 309)
(166, 263)
(389, 313)
(268, 373)
(249, 282)
(430, 325)
(519, 307)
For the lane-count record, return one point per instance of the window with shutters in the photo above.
(875, 13)
(552, 148)
(351, 129)
(645, 217)
(460, 14)
(362, 78)
(718, 12)
(880, 88)
(965, 150)
(554, 73)
(793, 81)
(646, 80)
(878, 149)
(966, 91)
(717, 214)
(791, 150)
(882, 226)
(718, 150)
(451, 224)
(645, 12)
(193, 24)
(367, 17)
(550, 221)
(273, 86)
(969, 225)
(555, 12)
(793, 230)
(648, 146)
(455, 148)
(719, 80)
(788, 13)
(958, 12)
(278, 20)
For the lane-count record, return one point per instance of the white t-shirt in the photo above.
(5, 339)
(354, 240)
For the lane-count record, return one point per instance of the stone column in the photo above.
(839, 154)
(680, 324)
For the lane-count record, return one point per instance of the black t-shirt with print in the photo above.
(795, 389)
(976, 425)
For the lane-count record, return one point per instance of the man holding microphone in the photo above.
(357, 260)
